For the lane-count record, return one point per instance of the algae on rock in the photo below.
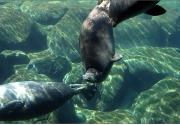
(159, 104)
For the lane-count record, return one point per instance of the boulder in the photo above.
(75, 75)
(53, 66)
(19, 32)
(112, 117)
(148, 65)
(47, 13)
(15, 57)
(21, 74)
(170, 27)
(159, 104)
(136, 32)
(6, 70)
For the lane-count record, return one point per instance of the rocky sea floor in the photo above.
(39, 42)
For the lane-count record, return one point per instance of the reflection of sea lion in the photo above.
(97, 45)
(120, 10)
(28, 99)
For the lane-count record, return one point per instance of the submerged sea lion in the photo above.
(120, 10)
(96, 43)
(29, 99)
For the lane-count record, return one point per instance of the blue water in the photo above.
(39, 41)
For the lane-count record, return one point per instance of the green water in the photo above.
(39, 41)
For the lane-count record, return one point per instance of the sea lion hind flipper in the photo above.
(12, 106)
(117, 57)
(156, 10)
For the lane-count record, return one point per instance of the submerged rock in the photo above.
(6, 70)
(13, 27)
(148, 65)
(19, 32)
(44, 12)
(159, 104)
(51, 65)
(168, 23)
(21, 74)
(75, 75)
(15, 57)
(138, 32)
(112, 117)
(11, 5)
(8, 59)
(67, 114)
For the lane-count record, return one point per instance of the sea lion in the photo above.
(29, 99)
(120, 10)
(96, 43)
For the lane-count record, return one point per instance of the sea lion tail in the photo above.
(156, 11)
(87, 90)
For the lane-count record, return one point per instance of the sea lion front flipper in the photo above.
(117, 57)
(87, 90)
(156, 10)
(12, 106)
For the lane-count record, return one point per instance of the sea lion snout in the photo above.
(89, 77)
(92, 75)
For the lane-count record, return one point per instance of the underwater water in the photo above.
(39, 41)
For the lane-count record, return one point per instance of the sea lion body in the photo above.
(97, 45)
(120, 10)
(29, 99)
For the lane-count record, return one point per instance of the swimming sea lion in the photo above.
(120, 10)
(96, 43)
(29, 99)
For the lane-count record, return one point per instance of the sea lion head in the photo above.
(92, 75)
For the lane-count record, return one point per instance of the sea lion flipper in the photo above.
(117, 57)
(87, 90)
(12, 106)
(156, 10)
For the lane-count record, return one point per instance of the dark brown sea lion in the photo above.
(97, 45)
(29, 99)
(120, 10)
